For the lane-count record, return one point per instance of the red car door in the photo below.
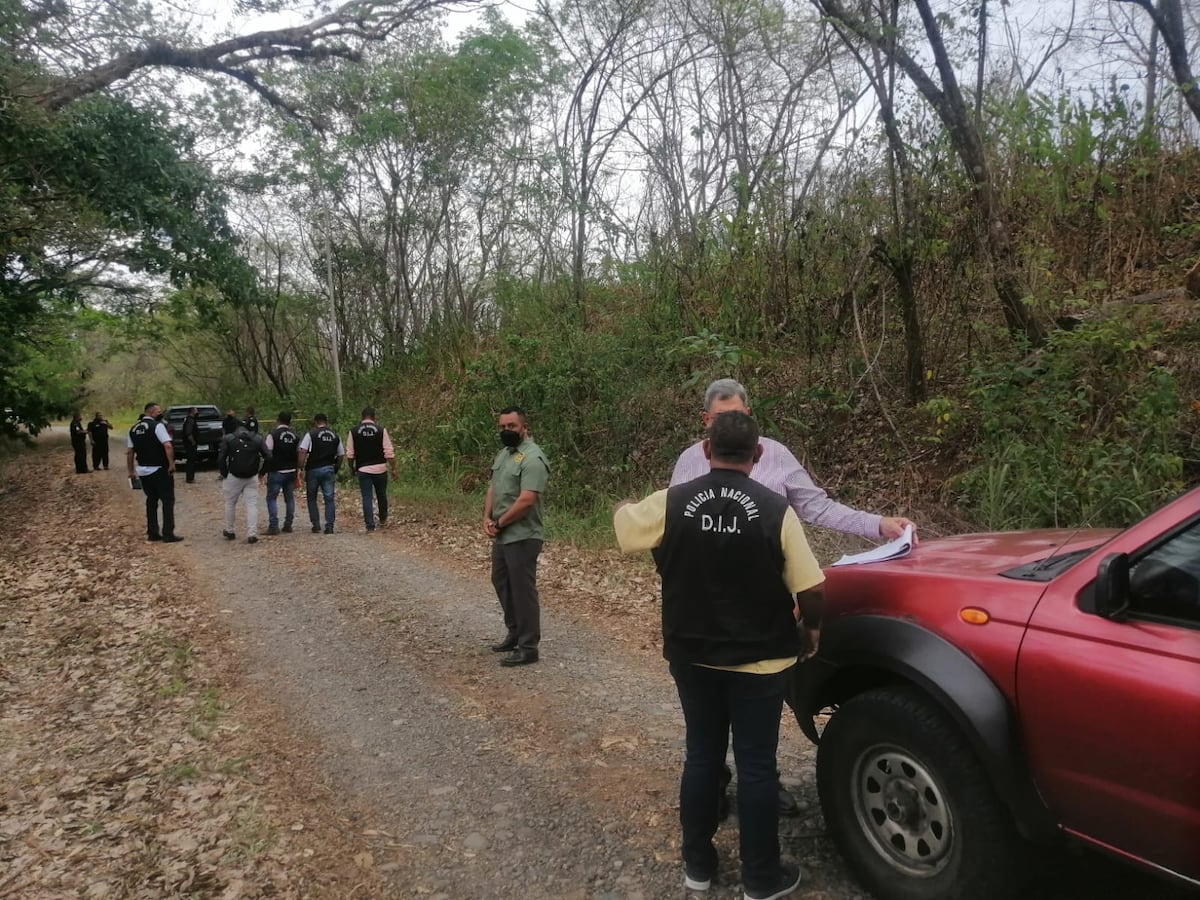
(1110, 710)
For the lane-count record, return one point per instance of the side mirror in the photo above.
(1112, 587)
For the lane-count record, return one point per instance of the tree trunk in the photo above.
(947, 100)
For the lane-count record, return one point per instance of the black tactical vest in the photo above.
(324, 443)
(284, 444)
(725, 602)
(368, 444)
(147, 449)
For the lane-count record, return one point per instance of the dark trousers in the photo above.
(714, 701)
(514, 576)
(99, 454)
(159, 487)
(321, 478)
(376, 484)
(189, 465)
(80, 448)
(276, 482)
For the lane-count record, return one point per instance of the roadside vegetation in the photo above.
(967, 291)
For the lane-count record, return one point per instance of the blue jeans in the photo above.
(713, 702)
(276, 482)
(377, 484)
(320, 478)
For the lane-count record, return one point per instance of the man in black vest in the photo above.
(98, 429)
(150, 456)
(191, 440)
(280, 473)
(319, 458)
(79, 444)
(732, 556)
(369, 449)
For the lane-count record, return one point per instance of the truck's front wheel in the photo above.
(910, 807)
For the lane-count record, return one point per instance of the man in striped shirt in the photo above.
(779, 470)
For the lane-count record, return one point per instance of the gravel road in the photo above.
(552, 780)
(557, 780)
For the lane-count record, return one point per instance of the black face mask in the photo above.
(510, 438)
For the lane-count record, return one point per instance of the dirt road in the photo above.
(319, 715)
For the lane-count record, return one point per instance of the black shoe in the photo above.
(520, 658)
(505, 646)
(190, 481)
(252, 540)
(316, 529)
(787, 803)
(273, 529)
(171, 539)
(228, 535)
(786, 881)
(287, 529)
(329, 529)
(383, 521)
(154, 537)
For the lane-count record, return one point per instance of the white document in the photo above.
(894, 549)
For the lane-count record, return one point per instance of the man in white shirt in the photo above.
(150, 457)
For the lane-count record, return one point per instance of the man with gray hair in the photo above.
(778, 469)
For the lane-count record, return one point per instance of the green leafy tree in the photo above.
(97, 203)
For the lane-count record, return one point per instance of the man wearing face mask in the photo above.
(512, 518)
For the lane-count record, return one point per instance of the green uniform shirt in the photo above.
(522, 468)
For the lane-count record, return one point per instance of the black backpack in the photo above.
(242, 457)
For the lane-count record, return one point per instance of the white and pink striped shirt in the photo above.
(780, 471)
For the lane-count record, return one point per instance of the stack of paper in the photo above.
(894, 549)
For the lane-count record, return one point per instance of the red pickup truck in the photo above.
(992, 691)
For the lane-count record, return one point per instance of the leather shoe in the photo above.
(171, 538)
(520, 658)
(505, 646)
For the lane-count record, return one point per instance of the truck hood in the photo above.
(995, 553)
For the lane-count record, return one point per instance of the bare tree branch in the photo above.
(1167, 16)
(340, 34)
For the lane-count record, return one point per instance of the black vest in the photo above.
(146, 447)
(721, 560)
(324, 443)
(368, 444)
(284, 444)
